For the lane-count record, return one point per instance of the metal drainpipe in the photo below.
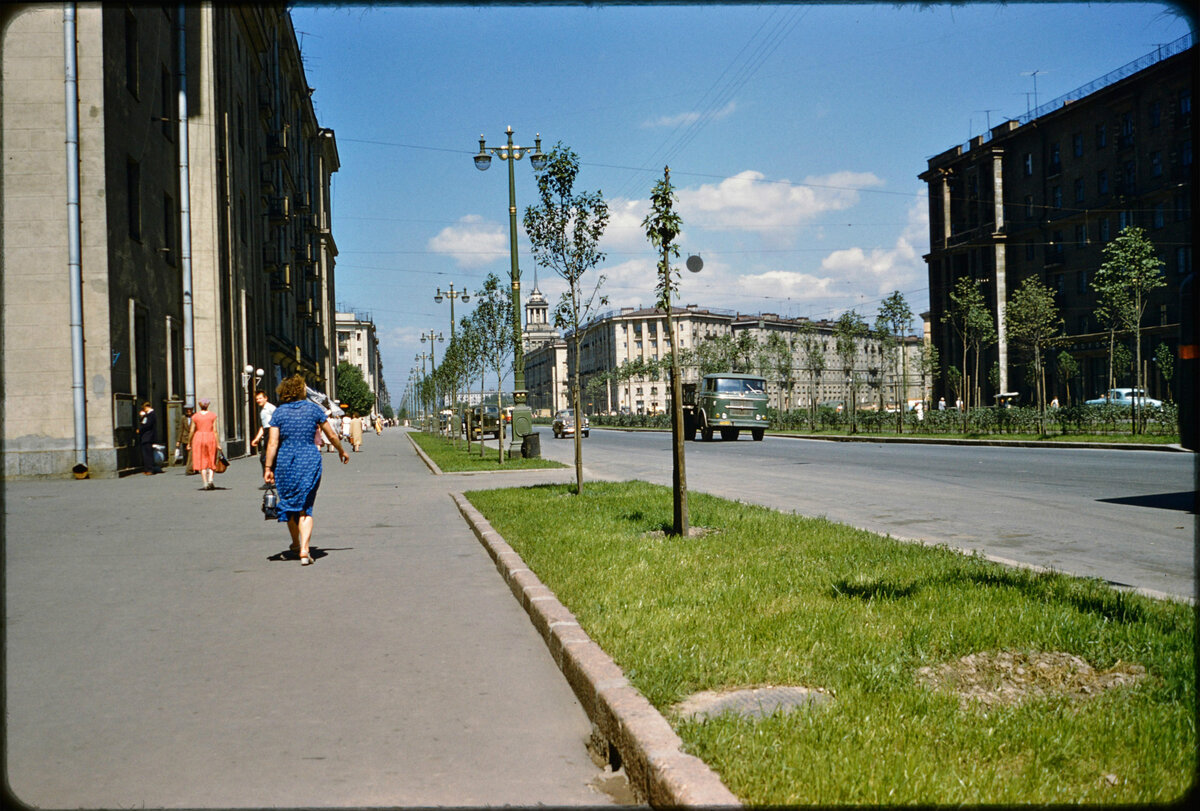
(185, 218)
(74, 258)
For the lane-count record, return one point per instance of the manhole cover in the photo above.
(753, 702)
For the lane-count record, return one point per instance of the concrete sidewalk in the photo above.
(162, 651)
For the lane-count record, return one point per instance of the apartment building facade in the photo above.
(178, 243)
(1041, 196)
(357, 344)
(613, 340)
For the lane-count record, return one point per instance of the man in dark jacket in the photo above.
(147, 433)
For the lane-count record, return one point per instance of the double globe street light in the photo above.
(452, 294)
(522, 416)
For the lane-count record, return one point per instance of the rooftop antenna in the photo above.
(988, 113)
(1034, 74)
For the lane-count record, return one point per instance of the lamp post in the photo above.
(432, 336)
(452, 294)
(247, 372)
(421, 356)
(511, 152)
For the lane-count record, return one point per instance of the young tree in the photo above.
(813, 347)
(1131, 271)
(777, 361)
(1068, 369)
(352, 389)
(1034, 325)
(469, 341)
(848, 331)
(1165, 359)
(492, 317)
(564, 231)
(895, 316)
(662, 226)
(971, 320)
(929, 362)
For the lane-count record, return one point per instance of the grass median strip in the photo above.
(456, 458)
(953, 679)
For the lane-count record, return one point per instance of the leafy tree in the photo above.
(777, 362)
(470, 342)
(971, 320)
(1165, 358)
(1068, 369)
(662, 226)
(814, 361)
(1130, 272)
(491, 318)
(848, 331)
(895, 316)
(929, 362)
(564, 231)
(1034, 325)
(352, 389)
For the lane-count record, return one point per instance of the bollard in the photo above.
(531, 446)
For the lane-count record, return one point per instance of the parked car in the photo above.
(1125, 397)
(485, 420)
(564, 424)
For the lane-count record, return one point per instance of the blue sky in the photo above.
(794, 133)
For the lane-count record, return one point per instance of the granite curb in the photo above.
(658, 769)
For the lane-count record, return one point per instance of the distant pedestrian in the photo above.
(204, 444)
(941, 404)
(147, 434)
(378, 425)
(294, 463)
(183, 442)
(1054, 403)
(356, 432)
(265, 410)
(346, 427)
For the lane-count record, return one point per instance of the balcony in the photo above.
(304, 202)
(277, 145)
(266, 107)
(304, 307)
(266, 177)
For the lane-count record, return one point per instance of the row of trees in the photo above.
(1130, 272)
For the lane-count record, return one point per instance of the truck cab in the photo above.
(726, 403)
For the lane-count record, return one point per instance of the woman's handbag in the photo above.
(270, 505)
(222, 463)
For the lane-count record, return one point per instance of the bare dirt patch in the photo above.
(1005, 678)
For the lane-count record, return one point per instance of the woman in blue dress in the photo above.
(293, 463)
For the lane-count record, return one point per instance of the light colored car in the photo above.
(564, 424)
(1125, 397)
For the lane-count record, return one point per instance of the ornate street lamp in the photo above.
(433, 336)
(452, 294)
(522, 416)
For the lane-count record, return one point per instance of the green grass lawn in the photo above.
(452, 458)
(767, 598)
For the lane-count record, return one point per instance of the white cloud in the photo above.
(680, 119)
(878, 271)
(472, 243)
(746, 202)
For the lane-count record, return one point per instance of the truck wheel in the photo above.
(706, 434)
(757, 433)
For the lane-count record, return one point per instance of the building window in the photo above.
(1183, 206)
(1160, 215)
(1102, 182)
(1079, 193)
(1126, 130)
(1155, 115)
(1081, 280)
(168, 105)
(1185, 106)
(1104, 232)
(131, 53)
(133, 198)
(1077, 144)
(1101, 136)
(168, 229)
(1156, 164)
(1028, 251)
(1124, 219)
(1081, 236)
(241, 124)
(1056, 195)
(1028, 164)
(1185, 153)
(1055, 160)
(1183, 260)
(1029, 206)
(1083, 325)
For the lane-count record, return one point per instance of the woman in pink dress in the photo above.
(204, 443)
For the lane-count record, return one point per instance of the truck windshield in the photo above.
(739, 386)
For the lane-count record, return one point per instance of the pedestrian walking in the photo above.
(265, 409)
(147, 433)
(204, 444)
(378, 425)
(345, 428)
(183, 441)
(941, 404)
(293, 461)
(356, 432)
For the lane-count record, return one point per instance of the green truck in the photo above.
(726, 403)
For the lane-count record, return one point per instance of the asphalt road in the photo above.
(1123, 516)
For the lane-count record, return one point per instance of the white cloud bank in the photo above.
(472, 242)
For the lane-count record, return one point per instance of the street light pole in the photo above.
(510, 153)
(432, 336)
(452, 294)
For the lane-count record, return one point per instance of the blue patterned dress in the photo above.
(298, 462)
